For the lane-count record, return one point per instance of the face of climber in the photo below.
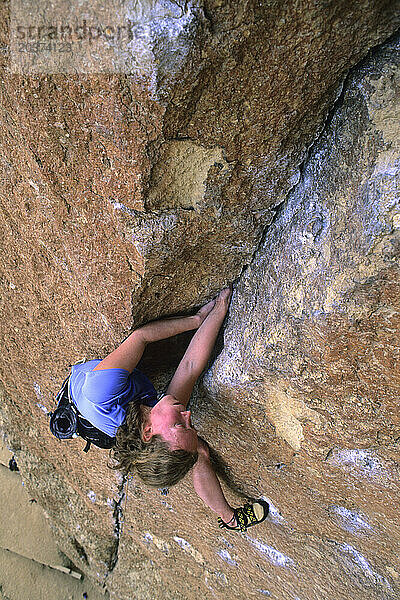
(169, 419)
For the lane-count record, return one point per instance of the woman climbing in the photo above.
(155, 437)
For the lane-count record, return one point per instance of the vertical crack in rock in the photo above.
(277, 210)
(337, 103)
(118, 518)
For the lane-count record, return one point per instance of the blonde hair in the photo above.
(155, 463)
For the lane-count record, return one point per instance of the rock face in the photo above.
(31, 565)
(312, 345)
(318, 307)
(129, 196)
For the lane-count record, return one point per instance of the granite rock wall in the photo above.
(311, 345)
(244, 144)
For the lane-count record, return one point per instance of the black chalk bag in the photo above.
(64, 420)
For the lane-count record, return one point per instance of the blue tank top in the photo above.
(102, 397)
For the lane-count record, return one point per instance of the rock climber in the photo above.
(154, 436)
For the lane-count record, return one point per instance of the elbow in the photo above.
(140, 335)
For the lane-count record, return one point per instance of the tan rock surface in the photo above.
(23, 522)
(126, 198)
(31, 565)
(24, 579)
(5, 454)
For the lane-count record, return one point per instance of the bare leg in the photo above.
(209, 489)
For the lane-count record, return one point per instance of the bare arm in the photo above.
(128, 354)
(198, 352)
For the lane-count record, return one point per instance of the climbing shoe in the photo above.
(247, 516)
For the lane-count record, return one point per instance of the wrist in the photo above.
(195, 321)
(221, 306)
